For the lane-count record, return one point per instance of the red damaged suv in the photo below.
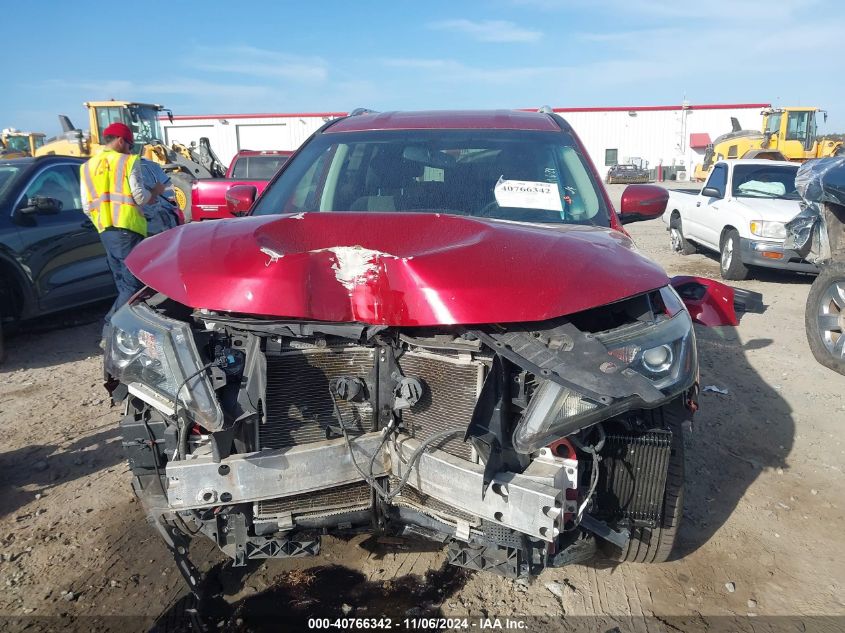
(432, 324)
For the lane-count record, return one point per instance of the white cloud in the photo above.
(489, 30)
(147, 90)
(453, 71)
(258, 62)
(748, 12)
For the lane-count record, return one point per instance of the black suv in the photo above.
(51, 257)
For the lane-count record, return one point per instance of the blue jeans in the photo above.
(118, 244)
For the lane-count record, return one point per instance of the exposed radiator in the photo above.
(299, 410)
(413, 498)
(633, 476)
(341, 498)
(452, 385)
(299, 407)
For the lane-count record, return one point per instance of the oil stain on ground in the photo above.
(327, 592)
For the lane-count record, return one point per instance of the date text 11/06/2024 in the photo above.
(416, 624)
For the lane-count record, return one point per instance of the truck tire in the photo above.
(824, 317)
(6, 301)
(730, 261)
(181, 184)
(676, 237)
(655, 545)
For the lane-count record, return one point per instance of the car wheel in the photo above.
(2, 344)
(676, 238)
(824, 317)
(655, 544)
(730, 259)
(181, 184)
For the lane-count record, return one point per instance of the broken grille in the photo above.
(349, 497)
(413, 498)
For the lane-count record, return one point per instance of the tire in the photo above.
(655, 545)
(676, 238)
(730, 261)
(824, 317)
(5, 300)
(181, 184)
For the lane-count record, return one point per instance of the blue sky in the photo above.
(224, 57)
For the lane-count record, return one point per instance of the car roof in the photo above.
(20, 162)
(265, 152)
(29, 160)
(447, 120)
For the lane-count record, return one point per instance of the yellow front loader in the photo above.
(787, 134)
(182, 163)
(17, 144)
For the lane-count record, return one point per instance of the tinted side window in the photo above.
(719, 178)
(60, 182)
(239, 170)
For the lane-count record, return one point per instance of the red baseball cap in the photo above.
(121, 131)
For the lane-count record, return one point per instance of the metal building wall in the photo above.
(659, 135)
(656, 136)
(230, 133)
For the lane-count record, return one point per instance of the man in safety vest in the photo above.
(112, 197)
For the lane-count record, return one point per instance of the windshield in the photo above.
(143, 121)
(258, 167)
(7, 177)
(517, 175)
(17, 143)
(765, 181)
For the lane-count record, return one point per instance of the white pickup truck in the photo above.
(739, 213)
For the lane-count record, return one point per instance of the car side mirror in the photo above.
(642, 202)
(711, 192)
(41, 205)
(239, 199)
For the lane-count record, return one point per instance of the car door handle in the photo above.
(698, 204)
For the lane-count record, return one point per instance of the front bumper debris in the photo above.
(532, 503)
(773, 255)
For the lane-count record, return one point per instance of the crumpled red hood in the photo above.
(399, 269)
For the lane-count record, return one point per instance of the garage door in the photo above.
(269, 136)
(188, 134)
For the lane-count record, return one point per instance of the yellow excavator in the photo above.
(787, 134)
(182, 163)
(17, 144)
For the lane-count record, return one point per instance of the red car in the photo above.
(432, 325)
(248, 167)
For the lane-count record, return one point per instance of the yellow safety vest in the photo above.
(109, 196)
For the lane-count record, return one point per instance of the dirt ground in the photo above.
(762, 534)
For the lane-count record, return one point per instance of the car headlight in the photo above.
(766, 228)
(158, 357)
(663, 351)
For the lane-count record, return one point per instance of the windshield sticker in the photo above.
(526, 194)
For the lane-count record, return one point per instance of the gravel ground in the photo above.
(761, 535)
